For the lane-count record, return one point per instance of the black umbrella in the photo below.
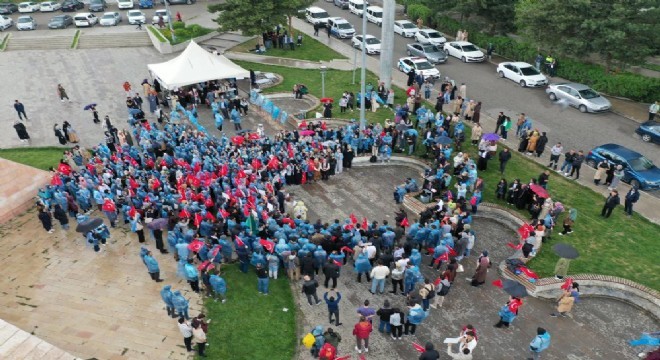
(566, 251)
(89, 106)
(89, 225)
(443, 140)
(514, 288)
(158, 224)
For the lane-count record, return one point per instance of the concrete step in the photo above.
(38, 43)
(114, 40)
(18, 344)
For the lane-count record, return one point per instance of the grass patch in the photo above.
(250, 325)
(336, 82)
(156, 33)
(311, 49)
(654, 67)
(184, 32)
(5, 40)
(76, 38)
(38, 157)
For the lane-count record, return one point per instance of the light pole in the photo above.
(354, 63)
(169, 20)
(363, 73)
(323, 70)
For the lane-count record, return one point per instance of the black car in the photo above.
(175, 2)
(97, 5)
(72, 5)
(8, 8)
(60, 22)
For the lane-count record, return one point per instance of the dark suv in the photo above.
(97, 5)
(72, 5)
(8, 8)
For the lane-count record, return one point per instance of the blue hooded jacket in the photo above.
(166, 295)
(218, 284)
(179, 302)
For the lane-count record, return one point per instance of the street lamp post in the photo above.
(354, 63)
(169, 20)
(323, 70)
(363, 73)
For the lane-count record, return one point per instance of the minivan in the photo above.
(375, 15)
(340, 28)
(316, 15)
(357, 6)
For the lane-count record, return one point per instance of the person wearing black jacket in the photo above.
(577, 164)
(430, 353)
(610, 203)
(504, 156)
(307, 265)
(384, 316)
(540, 144)
(631, 197)
(309, 289)
(331, 271)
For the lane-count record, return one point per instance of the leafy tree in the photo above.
(616, 30)
(499, 14)
(253, 17)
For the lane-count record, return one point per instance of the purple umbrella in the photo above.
(158, 224)
(491, 137)
(89, 106)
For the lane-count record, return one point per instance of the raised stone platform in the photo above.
(18, 186)
(18, 344)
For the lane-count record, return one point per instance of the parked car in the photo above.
(178, 2)
(341, 28)
(5, 22)
(125, 4)
(97, 5)
(579, 96)
(26, 22)
(60, 22)
(85, 19)
(49, 6)
(135, 16)
(375, 15)
(420, 65)
(432, 53)
(72, 5)
(112, 18)
(159, 13)
(649, 131)
(638, 170)
(465, 51)
(405, 28)
(522, 73)
(342, 4)
(430, 36)
(146, 4)
(28, 7)
(372, 44)
(8, 8)
(316, 15)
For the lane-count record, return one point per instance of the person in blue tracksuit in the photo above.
(166, 294)
(151, 264)
(180, 305)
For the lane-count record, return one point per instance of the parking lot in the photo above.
(42, 18)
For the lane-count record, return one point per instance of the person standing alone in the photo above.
(362, 330)
(20, 109)
(62, 93)
(610, 203)
(539, 343)
(631, 198)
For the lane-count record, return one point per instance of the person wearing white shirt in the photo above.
(555, 153)
(378, 275)
(371, 252)
(187, 332)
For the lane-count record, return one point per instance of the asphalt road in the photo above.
(572, 128)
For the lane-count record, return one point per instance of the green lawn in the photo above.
(250, 325)
(336, 82)
(39, 157)
(311, 49)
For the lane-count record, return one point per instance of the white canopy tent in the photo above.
(193, 66)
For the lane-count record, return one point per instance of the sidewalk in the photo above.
(647, 205)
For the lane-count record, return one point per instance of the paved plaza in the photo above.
(105, 305)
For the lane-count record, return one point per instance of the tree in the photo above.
(253, 17)
(616, 30)
(500, 14)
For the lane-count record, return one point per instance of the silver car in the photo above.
(432, 53)
(579, 96)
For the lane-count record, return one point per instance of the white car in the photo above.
(159, 13)
(522, 73)
(430, 36)
(405, 28)
(420, 65)
(125, 4)
(371, 42)
(112, 18)
(5, 22)
(49, 6)
(26, 22)
(85, 20)
(28, 7)
(135, 16)
(465, 51)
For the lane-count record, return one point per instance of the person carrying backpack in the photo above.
(396, 324)
(539, 343)
(442, 285)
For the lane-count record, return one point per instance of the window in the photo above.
(589, 94)
(529, 71)
(641, 164)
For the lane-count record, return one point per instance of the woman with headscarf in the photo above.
(480, 273)
(69, 132)
(21, 131)
(59, 134)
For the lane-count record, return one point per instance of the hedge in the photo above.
(625, 84)
(184, 33)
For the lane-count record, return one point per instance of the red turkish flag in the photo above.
(514, 305)
(498, 283)
(239, 242)
(184, 214)
(365, 224)
(443, 257)
(354, 219)
(418, 347)
(515, 247)
(268, 245)
(338, 263)
(195, 245)
(132, 211)
(568, 284)
(198, 219)
(156, 184)
(55, 180)
(528, 272)
(405, 223)
(216, 250)
(347, 249)
(133, 184)
(203, 265)
(452, 252)
(223, 213)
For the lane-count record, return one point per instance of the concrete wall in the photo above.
(167, 48)
(18, 187)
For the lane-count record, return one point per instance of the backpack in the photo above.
(395, 319)
(308, 340)
(444, 290)
(373, 159)
(430, 294)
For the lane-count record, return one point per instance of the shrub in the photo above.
(628, 85)
(178, 25)
(416, 11)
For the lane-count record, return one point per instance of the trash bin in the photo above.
(425, 197)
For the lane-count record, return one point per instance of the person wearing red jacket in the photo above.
(362, 330)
